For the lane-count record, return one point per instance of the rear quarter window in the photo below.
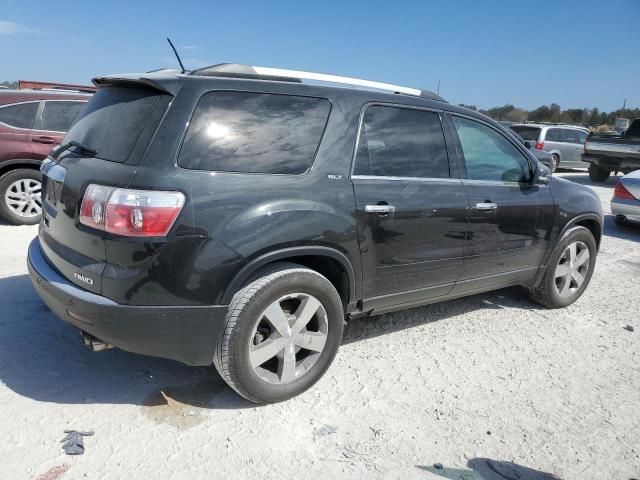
(19, 115)
(247, 132)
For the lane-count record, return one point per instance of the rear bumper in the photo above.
(629, 209)
(187, 334)
(619, 164)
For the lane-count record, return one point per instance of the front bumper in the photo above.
(188, 334)
(629, 209)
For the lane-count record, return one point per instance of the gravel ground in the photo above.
(488, 387)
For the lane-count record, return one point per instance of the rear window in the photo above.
(114, 119)
(20, 115)
(254, 133)
(526, 132)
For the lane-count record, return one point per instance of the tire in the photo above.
(548, 291)
(11, 184)
(238, 355)
(555, 161)
(598, 174)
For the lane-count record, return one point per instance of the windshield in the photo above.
(527, 132)
(112, 121)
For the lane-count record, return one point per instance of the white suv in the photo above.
(565, 143)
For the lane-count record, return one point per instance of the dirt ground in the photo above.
(485, 388)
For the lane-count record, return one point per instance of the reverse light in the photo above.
(132, 213)
(621, 192)
(540, 145)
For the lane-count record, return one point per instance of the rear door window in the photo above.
(58, 116)
(19, 115)
(114, 118)
(553, 135)
(401, 142)
(246, 132)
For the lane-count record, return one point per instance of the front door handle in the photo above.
(379, 209)
(43, 139)
(486, 206)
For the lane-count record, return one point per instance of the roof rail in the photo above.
(268, 73)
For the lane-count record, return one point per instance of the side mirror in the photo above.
(527, 144)
(542, 175)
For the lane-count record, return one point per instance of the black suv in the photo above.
(239, 215)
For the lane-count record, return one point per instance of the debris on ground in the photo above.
(629, 328)
(73, 444)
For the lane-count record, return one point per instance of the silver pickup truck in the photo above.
(618, 153)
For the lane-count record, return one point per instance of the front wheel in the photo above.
(598, 174)
(281, 334)
(20, 201)
(569, 269)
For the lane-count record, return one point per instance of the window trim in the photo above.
(453, 174)
(460, 154)
(39, 121)
(235, 90)
(22, 103)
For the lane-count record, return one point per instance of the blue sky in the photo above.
(487, 53)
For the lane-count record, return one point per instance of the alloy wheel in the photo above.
(23, 197)
(288, 338)
(572, 269)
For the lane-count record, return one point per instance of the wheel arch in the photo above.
(8, 165)
(590, 221)
(327, 261)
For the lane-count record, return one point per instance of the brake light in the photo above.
(132, 213)
(620, 192)
(540, 145)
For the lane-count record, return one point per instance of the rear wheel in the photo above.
(20, 201)
(569, 269)
(553, 164)
(282, 332)
(598, 174)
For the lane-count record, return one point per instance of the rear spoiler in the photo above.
(162, 82)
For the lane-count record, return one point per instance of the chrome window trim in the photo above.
(407, 179)
(21, 103)
(439, 112)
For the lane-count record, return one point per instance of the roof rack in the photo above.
(267, 73)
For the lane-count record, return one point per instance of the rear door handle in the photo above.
(47, 140)
(486, 206)
(379, 209)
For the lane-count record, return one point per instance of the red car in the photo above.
(32, 122)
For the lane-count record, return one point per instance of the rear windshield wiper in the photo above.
(81, 148)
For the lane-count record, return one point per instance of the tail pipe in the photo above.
(96, 344)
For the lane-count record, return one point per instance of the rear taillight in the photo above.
(132, 213)
(540, 145)
(620, 192)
